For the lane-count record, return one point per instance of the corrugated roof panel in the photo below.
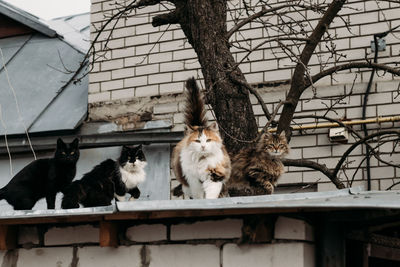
(37, 72)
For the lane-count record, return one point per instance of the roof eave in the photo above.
(26, 19)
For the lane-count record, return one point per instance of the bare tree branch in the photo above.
(298, 81)
(315, 166)
(352, 65)
(361, 141)
(265, 11)
(164, 19)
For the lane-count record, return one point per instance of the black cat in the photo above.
(43, 178)
(107, 180)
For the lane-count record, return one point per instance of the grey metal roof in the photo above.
(20, 214)
(40, 67)
(349, 198)
(25, 18)
(74, 29)
(345, 199)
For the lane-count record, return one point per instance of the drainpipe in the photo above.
(377, 37)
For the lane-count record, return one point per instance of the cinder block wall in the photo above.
(143, 69)
(213, 243)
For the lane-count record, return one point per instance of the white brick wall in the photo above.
(71, 235)
(121, 256)
(274, 255)
(228, 228)
(293, 229)
(185, 255)
(201, 243)
(146, 62)
(147, 233)
(39, 257)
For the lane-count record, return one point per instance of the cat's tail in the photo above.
(73, 194)
(177, 191)
(195, 114)
(2, 192)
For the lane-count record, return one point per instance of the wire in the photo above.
(16, 103)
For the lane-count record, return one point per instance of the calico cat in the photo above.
(107, 180)
(43, 178)
(256, 170)
(200, 160)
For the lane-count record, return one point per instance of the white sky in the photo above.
(49, 9)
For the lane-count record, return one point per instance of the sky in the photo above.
(49, 9)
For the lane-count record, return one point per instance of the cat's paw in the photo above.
(131, 199)
(216, 175)
(269, 188)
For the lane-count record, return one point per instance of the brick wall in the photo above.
(144, 68)
(194, 243)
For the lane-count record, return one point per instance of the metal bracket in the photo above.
(381, 45)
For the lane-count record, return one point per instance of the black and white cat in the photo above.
(43, 178)
(107, 180)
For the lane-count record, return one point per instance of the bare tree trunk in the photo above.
(204, 24)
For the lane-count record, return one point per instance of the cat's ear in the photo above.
(283, 135)
(213, 127)
(189, 129)
(125, 148)
(60, 143)
(75, 143)
(267, 135)
(139, 147)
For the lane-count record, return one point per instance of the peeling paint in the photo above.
(142, 108)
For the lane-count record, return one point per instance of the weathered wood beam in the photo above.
(8, 237)
(108, 234)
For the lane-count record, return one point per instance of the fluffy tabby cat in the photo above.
(200, 160)
(256, 170)
(43, 178)
(107, 180)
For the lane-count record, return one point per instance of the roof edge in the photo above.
(26, 18)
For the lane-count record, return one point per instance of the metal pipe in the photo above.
(334, 124)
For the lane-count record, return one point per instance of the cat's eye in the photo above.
(129, 158)
(72, 152)
(208, 140)
(63, 153)
(197, 141)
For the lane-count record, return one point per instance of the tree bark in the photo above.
(204, 24)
